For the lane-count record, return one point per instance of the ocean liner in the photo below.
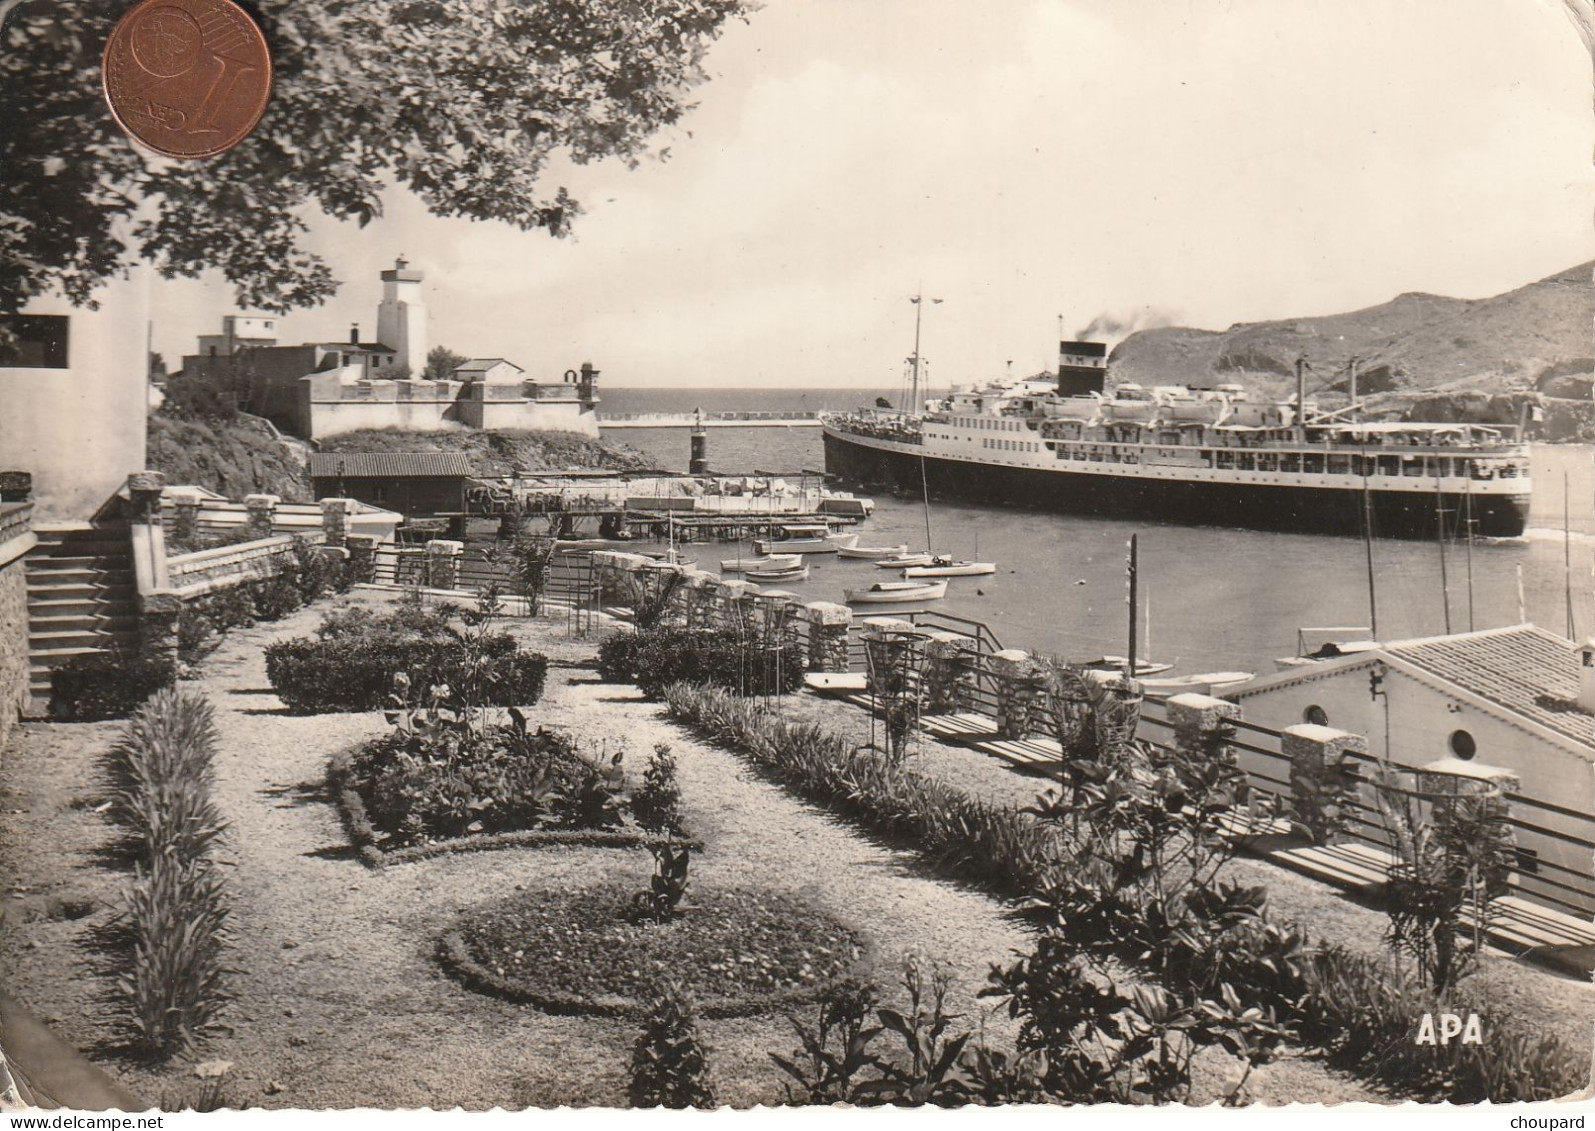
(1208, 456)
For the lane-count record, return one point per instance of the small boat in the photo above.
(804, 538)
(872, 551)
(738, 565)
(1116, 664)
(897, 592)
(782, 573)
(1205, 683)
(903, 561)
(941, 567)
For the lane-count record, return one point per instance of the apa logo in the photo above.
(1451, 1026)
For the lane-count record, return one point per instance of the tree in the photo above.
(463, 102)
(441, 363)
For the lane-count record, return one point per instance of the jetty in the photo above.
(708, 419)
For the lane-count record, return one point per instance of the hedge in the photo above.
(656, 658)
(320, 676)
(105, 685)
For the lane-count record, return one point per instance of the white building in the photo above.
(1518, 698)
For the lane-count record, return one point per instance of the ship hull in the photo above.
(1255, 506)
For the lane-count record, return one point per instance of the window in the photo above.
(1528, 861)
(1315, 715)
(33, 341)
(1463, 746)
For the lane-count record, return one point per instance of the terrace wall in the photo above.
(16, 539)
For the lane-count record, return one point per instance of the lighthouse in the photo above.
(401, 317)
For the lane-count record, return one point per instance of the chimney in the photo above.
(1586, 676)
(354, 334)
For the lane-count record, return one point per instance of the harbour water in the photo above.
(1213, 598)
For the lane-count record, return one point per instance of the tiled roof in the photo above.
(369, 465)
(477, 364)
(1523, 668)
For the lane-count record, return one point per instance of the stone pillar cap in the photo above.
(1196, 701)
(1456, 767)
(1011, 655)
(182, 495)
(250, 500)
(1312, 732)
(445, 544)
(826, 612)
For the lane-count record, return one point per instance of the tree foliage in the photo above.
(441, 363)
(463, 102)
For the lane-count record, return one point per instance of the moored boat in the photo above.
(1203, 683)
(1178, 454)
(871, 552)
(766, 561)
(1116, 664)
(941, 567)
(897, 592)
(798, 572)
(804, 538)
(903, 561)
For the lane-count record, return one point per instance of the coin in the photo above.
(187, 78)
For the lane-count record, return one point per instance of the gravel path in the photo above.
(339, 1002)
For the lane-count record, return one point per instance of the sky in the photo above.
(1195, 162)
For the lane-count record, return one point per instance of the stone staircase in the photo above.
(82, 597)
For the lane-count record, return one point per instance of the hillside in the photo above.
(1535, 339)
(498, 453)
(236, 457)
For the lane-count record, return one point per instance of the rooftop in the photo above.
(378, 465)
(479, 364)
(1523, 668)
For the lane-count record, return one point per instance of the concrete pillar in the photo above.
(362, 558)
(729, 593)
(1195, 717)
(1323, 779)
(443, 563)
(144, 497)
(185, 514)
(16, 486)
(158, 615)
(335, 520)
(828, 631)
(947, 677)
(1118, 711)
(262, 518)
(1017, 683)
(1452, 784)
(697, 599)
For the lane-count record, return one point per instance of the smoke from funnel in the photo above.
(1119, 324)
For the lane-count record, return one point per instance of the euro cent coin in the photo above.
(187, 78)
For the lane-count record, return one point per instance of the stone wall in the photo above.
(16, 539)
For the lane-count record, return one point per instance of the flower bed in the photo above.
(437, 782)
(586, 951)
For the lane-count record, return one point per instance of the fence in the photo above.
(1555, 845)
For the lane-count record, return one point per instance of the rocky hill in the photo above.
(235, 456)
(1418, 347)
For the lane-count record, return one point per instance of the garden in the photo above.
(633, 868)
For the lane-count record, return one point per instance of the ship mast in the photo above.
(914, 361)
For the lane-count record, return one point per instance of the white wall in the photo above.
(81, 430)
(1421, 721)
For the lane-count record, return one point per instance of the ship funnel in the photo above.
(1082, 368)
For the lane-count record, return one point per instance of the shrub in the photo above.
(356, 673)
(174, 988)
(669, 1063)
(105, 685)
(205, 619)
(176, 908)
(617, 657)
(662, 656)
(657, 802)
(276, 597)
(162, 771)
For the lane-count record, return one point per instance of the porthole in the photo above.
(1463, 746)
(1315, 715)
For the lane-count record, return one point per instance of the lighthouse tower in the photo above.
(401, 317)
